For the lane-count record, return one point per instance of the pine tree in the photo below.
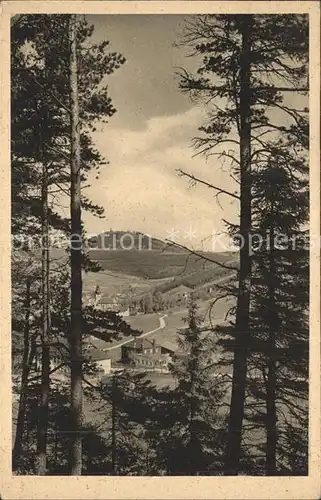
(280, 295)
(36, 71)
(129, 404)
(75, 254)
(250, 65)
(27, 323)
(191, 442)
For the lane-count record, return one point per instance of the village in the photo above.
(139, 353)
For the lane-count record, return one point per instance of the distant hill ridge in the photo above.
(129, 240)
(150, 258)
(134, 253)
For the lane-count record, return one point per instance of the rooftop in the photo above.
(166, 344)
(113, 303)
(149, 357)
(98, 355)
(97, 343)
(139, 343)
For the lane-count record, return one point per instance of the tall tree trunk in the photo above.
(26, 366)
(45, 357)
(243, 300)
(75, 254)
(271, 415)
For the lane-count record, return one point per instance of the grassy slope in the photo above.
(155, 264)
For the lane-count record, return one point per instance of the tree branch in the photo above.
(198, 254)
(194, 180)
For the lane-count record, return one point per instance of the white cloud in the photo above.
(141, 189)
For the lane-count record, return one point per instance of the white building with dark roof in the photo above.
(96, 350)
(103, 302)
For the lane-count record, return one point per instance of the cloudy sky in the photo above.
(150, 138)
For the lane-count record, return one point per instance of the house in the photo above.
(112, 348)
(98, 353)
(106, 303)
(151, 362)
(146, 346)
(167, 347)
(102, 360)
(141, 346)
(93, 342)
(103, 302)
(147, 354)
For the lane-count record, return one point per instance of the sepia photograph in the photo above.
(160, 244)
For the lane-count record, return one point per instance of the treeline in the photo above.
(240, 401)
(196, 279)
(155, 302)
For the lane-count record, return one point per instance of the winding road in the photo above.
(162, 325)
